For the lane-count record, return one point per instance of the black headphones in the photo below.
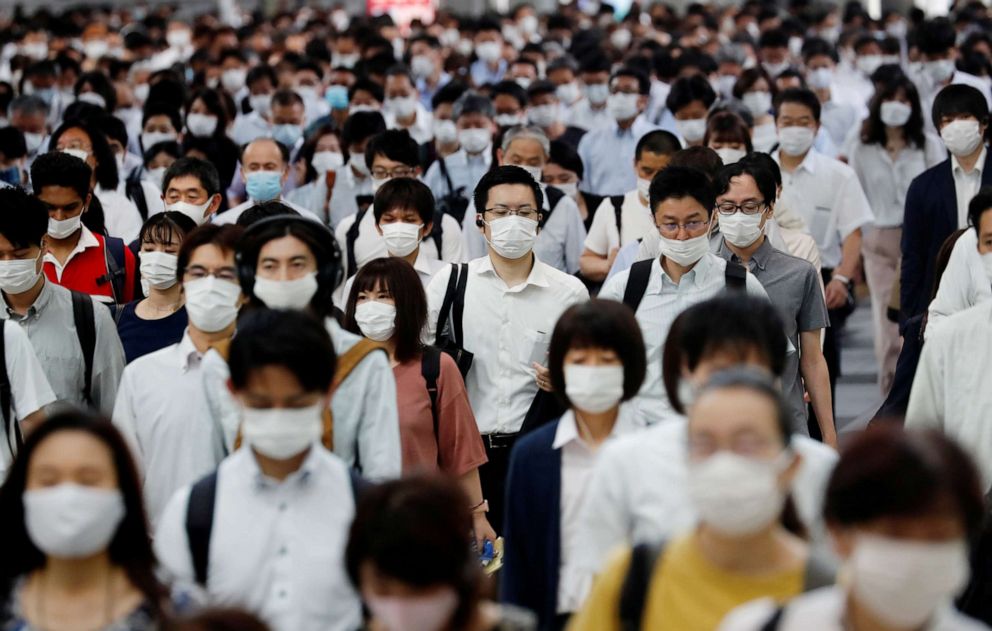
(330, 272)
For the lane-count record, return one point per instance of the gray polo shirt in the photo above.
(52, 330)
(793, 286)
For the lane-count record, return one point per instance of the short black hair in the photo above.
(170, 147)
(24, 220)
(404, 192)
(643, 83)
(101, 85)
(115, 129)
(802, 96)
(507, 174)
(762, 178)
(727, 126)
(158, 108)
(936, 36)
(598, 324)
(160, 227)
(402, 282)
(254, 214)
(204, 171)
(395, 144)
(765, 161)
(361, 126)
(106, 164)
(818, 47)
(978, 206)
(12, 144)
(366, 85)
(658, 141)
(773, 38)
(567, 157)
(284, 98)
(680, 182)
(57, 168)
(699, 158)
(511, 89)
(223, 236)
(260, 72)
(291, 339)
(685, 90)
(959, 98)
(449, 93)
(540, 88)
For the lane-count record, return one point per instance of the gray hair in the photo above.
(472, 103)
(528, 133)
(28, 105)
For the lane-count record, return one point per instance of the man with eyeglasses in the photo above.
(793, 286)
(175, 444)
(511, 303)
(686, 273)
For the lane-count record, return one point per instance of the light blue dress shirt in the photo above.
(608, 158)
(482, 74)
(464, 170)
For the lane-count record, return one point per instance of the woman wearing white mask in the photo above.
(564, 171)
(79, 554)
(689, 102)
(757, 92)
(207, 122)
(157, 160)
(892, 150)
(159, 319)
(597, 361)
(438, 432)
(728, 135)
(740, 468)
(901, 507)
(317, 165)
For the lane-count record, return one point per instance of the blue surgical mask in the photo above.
(11, 175)
(337, 97)
(288, 135)
(264, 186)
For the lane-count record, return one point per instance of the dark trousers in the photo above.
(831, 351)
(492, 475)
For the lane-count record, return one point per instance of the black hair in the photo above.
(260, 72)
(204, 171)
(598, 324)
(405, 193)
(101, 85)
(565, 156)
(817, 47)
(873, 131)
(449, 93)
(499, 176)
(57, 168)
(214, 103)
(157, 108)
(24, 221)
(12, 144)
(106, 164)
(254, 214)
(511, 89)
(366, 85)
(394, 144)
(773, 38)
(766, 162)
(747, 80)
(738, 325)
(168, 90)
(225, 237)
(700, 158)
(657, 141)
(218, 619)
(284, 98)
(291, 339)
(361, 126)
(764, 180)
(540, 88)
(978, 206)
(958, 98)
(936, 37)
(680, 182)
(160, 227)
(397, 277)
(727, 124)
(757, 381)
(643, 83)
(130, 548)
(802, 96)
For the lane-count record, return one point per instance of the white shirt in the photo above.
(663, 301)
(966, 185)
(508, 329)
(425, 266)
(370, 245)
(963, 285)
(636, 221)
(583, 115)
(622, 507)
(885, 181)
(249, 127)
(173, 445)
(277, 548)
(824, 610)
(422, 129)
(951, 391)
(231, 215)
(29, 388)
(828, 196)
(121, 216)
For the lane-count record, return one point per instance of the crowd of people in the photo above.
(315, 321)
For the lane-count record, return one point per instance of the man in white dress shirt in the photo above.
(280, 507)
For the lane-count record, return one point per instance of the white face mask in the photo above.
(19, 275)
(758, 103)
(986, 263)
(820, 79)
(730, 155)
(543, 115)
(33, 142)
(735, 495)
(445, 131)
(623, 106)
(902, 582)
(489, 52)
(597, 93)
(868, 64)
(401, 107)
(324, 161)
(202, 125)
(961, 137)
(426, 613)
(197, 213)
(568, 93)
(741, 229)
(64, 228)
(773, 69)
(286, 294)
(158, 269)
(594, 389)
(940, 70)
(535, 172)
(643, 189)
(401, 238)
(69, 521)
(895, 113)
(571, 189)
(474, 140)
(212, 304)
(151, 138)
(77, 153)
(377, 183)
(376, 320)
(421, 66)
(157, 175)
(509, 120)
(261, 104)
(795, 141)
(357, 162)
(724, 85)
(692, 129)
(512, 237)
(281, 433)
(234, 79)
(685, 252)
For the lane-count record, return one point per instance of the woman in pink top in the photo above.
(387, 304)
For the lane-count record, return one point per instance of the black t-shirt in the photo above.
(140, 337)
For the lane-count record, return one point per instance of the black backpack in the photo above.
(455, 201)
(735, 277)
(134, 191)
(114, 257)
(449, 336)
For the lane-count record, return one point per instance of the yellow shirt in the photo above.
(686, 593)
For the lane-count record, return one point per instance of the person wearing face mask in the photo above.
(143, 194)
(191, 187)
(426, 67)
(29, 114)
(234, 72)
(490, 66)
(728, 135)
(608, 151)
(562, 73)
(444, 128)
(591, 111)
(564, 171)
(80, 547)
(261, 82)
(838, 116)
(686, 272)
(275, 542)
(437, 427)
(174, 445)
(621, 220)
(905, 545)
(160, 122)
(756, 91)
(318, 163)
(509, 102)
(403, 107)
(688, 103)
(744, 212)
(409, 555)
(747, 542)
(596, 360)
(12, 158)
(287, 115)
(937, 200)
(892, 151)
(545, 110)
(773, 51)
(158, 320)
(828, 196)
(157, 160)
(523, 72)
(512, 300)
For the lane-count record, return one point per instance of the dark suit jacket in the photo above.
(931, 216)
(532, 527)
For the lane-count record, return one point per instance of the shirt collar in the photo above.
(422, 264)
(538, 275)
(86, 240)
(189, 357)
(808, 164)
(760, 256)
(300, 477)
(568, 428)
(696, 275)
(979, 164)
(39, 303)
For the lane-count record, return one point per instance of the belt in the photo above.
(499, 441)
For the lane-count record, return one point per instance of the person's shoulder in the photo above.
(663, 442)
(537, 442)
(565, 283)
(814, 452)
(614, 287)
(963, 323)
(834, 167)
(796, 265)
(153, 361)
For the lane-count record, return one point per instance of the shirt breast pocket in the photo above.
(820, 223)
(533, 347)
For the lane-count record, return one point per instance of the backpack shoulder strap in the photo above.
(359, 485)
(85, 321)
(136, 193)
(819, 573)
(114, 256)
(352, 357)
(442, 164)
(458, 305)
(555, 195)
(617, 201)
(773, 623)
(350, 237)
(200, 524)
(449, 297)
(735, 276)
(11, 428)
(634, 592)
(437, 234)
(430, 369)
(637, 283)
